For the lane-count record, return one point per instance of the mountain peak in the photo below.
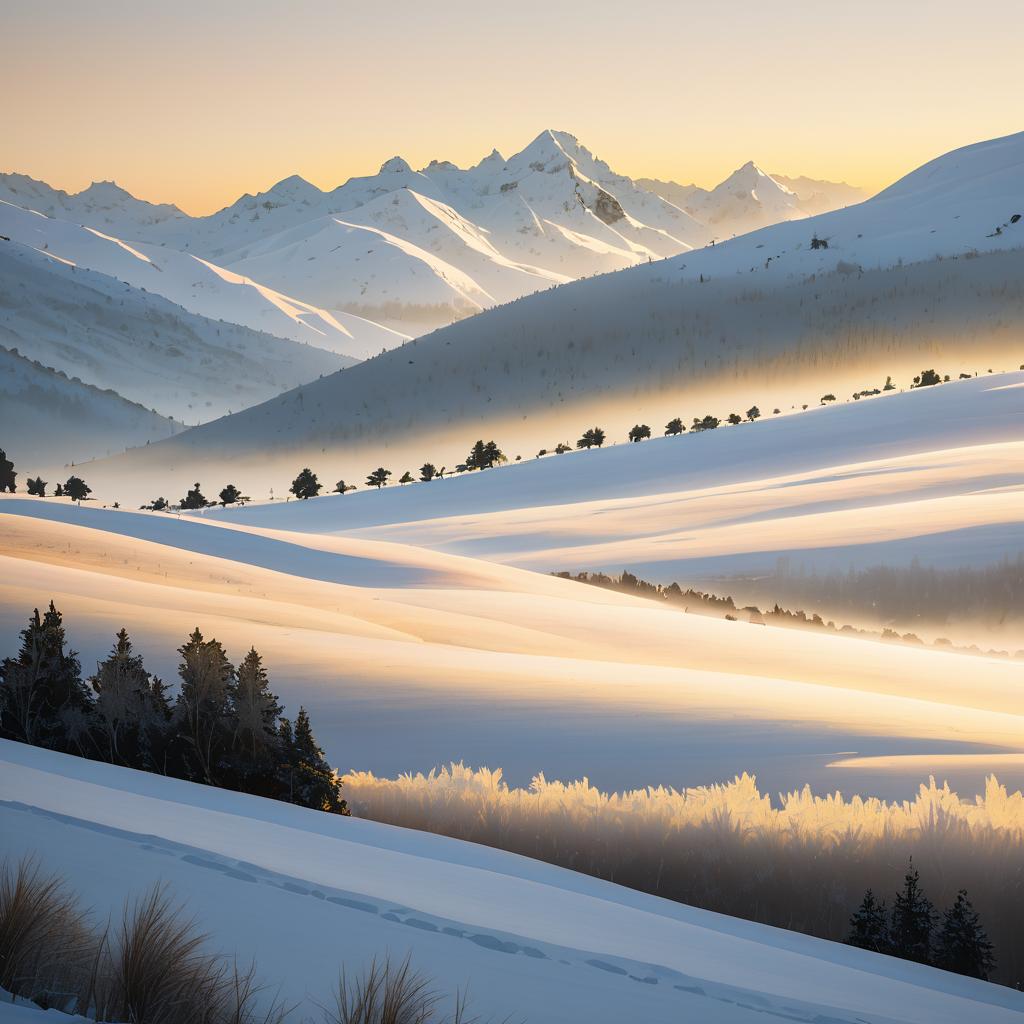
(294, 187)
(396, 165)
(105, 191)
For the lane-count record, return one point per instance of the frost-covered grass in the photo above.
(802, 864)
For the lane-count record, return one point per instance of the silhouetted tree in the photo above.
(561, 448)
(708, 423)
(592, 438)
(253, 712)
(43, 700)
(406, 478)
(309, 779)
(343, 488)
(753, 413)
(427, 472)
(913, 918)
(735, 418)
(493, 455)
(378, 478)
(194, 498)
(926, 379)
(76, 488)
(888, 385)
(827, 398)
(156, 505)
(132, 710)
(639, 432)
(962, 945)
(36, 486)
(202, 706)
(231, 494)
(674, 427)
(58, 491)
(8, 476)
(869, 925)
(306, 485)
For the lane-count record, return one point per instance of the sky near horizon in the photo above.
(197, 102)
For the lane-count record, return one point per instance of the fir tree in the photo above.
(194, 498)
(427, 472)
(707, 423)
(913, 918)
(43, 700)
(674, 427)
(311, 780)
(406, 478)
(36, 486)
(378, 478)
(962, 945)
(132, 711)
(8, 476)
(202, 707)
(592, 438)
(493, 455)
(58, 491)
(231, 494)
(253, 714)
(76, 488)
(477, 457)
(306, 485)
(869, 925)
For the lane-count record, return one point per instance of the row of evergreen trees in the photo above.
(912, 930)
(224, 727)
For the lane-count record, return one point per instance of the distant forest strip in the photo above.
(909, 592)
(806, 866)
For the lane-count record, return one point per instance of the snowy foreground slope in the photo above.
(305, 893)
(914, 278)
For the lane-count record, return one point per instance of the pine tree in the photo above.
(427, 472)
(735, 418)
(58, 491)
(76, 488)
(311, 780)
(306, 485)
(194, 498)
(406, 478)
(253, 716)
(753, 413)
(8, 476)
(132, 712)
(674, 427)
(43, 700)
(869, 925)
(493, 455)
(962, 945)
(378, 478)
(639, 432)
(231, 494)
(913, 918)
(202, 708)
(592, 438)
(477, 457)
(36, 486)
(707, 423)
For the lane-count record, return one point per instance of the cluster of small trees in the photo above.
(224, 727)
(74, 487)
(912, 930)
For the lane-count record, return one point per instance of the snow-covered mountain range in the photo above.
(925, 274)
(410, 249)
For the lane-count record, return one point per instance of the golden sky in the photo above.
(197, 101)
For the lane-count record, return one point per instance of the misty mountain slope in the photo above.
(149, 350)
(48, 419)
(199, 286)
(540, 943)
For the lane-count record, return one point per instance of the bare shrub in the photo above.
(45, 943)
(803, 865)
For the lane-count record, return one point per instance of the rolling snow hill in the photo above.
(49, 419)
(116, 336)
(305, 893)
(928, 273)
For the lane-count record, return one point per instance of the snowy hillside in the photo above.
(193, 283)
(305, 893)
(420, 249)
(48, 419)
(916, 277)
(112, 335)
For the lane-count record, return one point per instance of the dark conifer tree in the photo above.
(493, 455)
(753, 413)
(709, 422)
(194, 498)
(76, 488)
(639, 432)
(132, 711)
(427, 472)
(592, 438)
(310, 781)
(58, 491)
(201, 710)
(253, 715)
(913, 918)
(477, 457)
(343, 488)
(43, 700)
(962, 945)
(306, 485)
(673, 427)
(8, 476)
(869, 925)
(735, 418)
(36, 486)
(378, 478)
(406, 478)
(231, 495)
